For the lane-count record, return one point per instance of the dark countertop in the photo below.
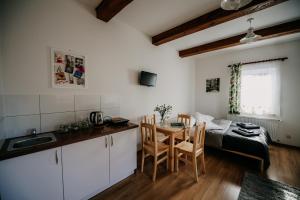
(64, 139)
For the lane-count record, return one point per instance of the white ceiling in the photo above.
(272, 41)
(152, 17)
(155, 16)
(271, 16)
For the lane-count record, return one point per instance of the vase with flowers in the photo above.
(164, 112)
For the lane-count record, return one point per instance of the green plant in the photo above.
(65, 128)
(164, 111)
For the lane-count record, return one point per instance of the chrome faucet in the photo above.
(33, 132)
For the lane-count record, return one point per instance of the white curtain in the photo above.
(260, 89)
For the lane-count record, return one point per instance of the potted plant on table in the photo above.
(164, 112)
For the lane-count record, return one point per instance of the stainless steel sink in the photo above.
(30, 141)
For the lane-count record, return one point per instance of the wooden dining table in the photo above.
(170, 131)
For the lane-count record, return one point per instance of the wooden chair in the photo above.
(151, 147)
(186, 120)
(193, 150)
(150, 119)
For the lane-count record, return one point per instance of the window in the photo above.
(260, 89)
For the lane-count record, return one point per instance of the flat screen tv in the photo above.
(148, 79)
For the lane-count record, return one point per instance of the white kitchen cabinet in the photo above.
(123, 152)
(76, 171)
(85, 168)
(34, 176)
(91, 166)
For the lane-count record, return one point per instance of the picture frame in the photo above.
(213, 85)
(68, 69)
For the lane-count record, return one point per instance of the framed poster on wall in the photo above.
(213, 85)
(68, 69)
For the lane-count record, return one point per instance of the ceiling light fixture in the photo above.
(233, 4)
(250, 36)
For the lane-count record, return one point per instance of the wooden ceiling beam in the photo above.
(211, 19)
(107, 9)
(266, 33)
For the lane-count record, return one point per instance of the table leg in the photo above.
(172, 141)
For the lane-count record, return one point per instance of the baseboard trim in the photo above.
(285, 145)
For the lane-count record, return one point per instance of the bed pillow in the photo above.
(203, 118)
(212, 126)
(224, 123)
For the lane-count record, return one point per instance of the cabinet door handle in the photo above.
(105, 142)
(56, 157)
(112, 140)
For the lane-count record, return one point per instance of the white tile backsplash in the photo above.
(110, 101)
(56, 103)
(46, 112)
(21, 105)
(82, 115)
(112, 112)
(21, 125)
(51, 122)
(87, 102)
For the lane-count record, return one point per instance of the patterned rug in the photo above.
(256, 187)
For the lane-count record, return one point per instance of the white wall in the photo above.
(1, 61)
(1, 95)
(115, 54)
(216, 104)
(1, 79)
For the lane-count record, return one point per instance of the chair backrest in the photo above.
(148, 135)
(149, 119)
(199, 136)
(184, 118)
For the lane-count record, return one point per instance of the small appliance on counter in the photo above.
(96, 118)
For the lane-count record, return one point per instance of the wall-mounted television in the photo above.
(148, 78)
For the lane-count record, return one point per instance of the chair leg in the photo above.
(203, 163)
(195, 168)
(167, 160)
(143, 160)
(155, 169)
(176, 160)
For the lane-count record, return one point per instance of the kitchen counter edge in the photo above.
(63, 139)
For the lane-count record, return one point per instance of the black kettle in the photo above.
(96, 118)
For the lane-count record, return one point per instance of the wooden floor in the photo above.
(222, 180)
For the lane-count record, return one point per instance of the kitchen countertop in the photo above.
(64, 139)
(1, 143)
